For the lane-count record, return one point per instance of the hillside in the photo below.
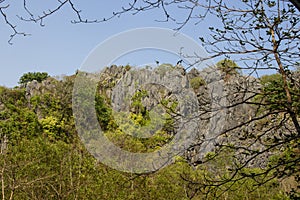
(218, 121)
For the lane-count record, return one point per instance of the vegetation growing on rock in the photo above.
(31, 76)
(43, 158)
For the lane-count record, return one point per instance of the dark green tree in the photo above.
(30, 76)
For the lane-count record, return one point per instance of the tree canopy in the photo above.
(30, 76)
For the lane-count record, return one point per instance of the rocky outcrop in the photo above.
(35, 88)
(204, 108)
(214, 111)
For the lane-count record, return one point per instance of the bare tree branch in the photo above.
(13, 27)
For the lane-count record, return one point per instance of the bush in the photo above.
(229, 67)
(30, 76)
(197, 82)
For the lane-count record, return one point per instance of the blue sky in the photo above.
(60, 47)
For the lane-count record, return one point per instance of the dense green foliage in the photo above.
(30, 76)
(44, 158)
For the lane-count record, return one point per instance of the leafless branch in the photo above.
(9, 23)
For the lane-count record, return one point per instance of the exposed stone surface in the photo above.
(213, 114)
(34, 87)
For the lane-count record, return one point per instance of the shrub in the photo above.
(197, 82)
(229, 67)
(30, 76)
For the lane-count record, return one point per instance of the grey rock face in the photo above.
(163, 83)
(210, 111)
(34, 87)
(208, 116)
